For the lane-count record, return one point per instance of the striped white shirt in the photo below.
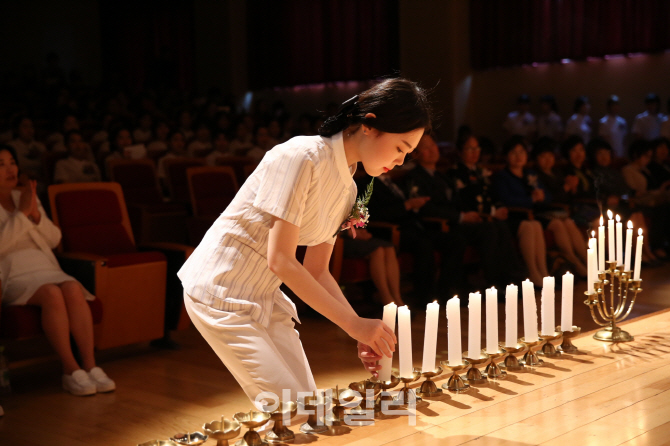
(305, 181)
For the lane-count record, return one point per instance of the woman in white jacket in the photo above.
(31, 276)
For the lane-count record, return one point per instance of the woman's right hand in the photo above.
(28, 198)
(537, 195)
(376, 334)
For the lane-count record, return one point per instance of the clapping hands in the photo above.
(28, 201)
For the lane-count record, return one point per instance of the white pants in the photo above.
(260, 359)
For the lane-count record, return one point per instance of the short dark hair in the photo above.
(551, 100)
(652, 98)
(613, 99)
(579, 102)
(569, 144)
(464, 133)
(512, 142)
(594, 146)
(546, 144)
(638, 148)
(656, 143)
(11, 151)
(399, 105)
(523, 99)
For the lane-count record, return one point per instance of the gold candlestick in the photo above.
(455, 384)
(406, 395)
(549, 348)
(511, 362)
(622, 288)
(190, 438)
(385, 399)
(474, 376)
(222, 430)
(314, 404)
(493, 370)
(280, 433)
(340, 399)
(158, 443)
(428, 387)
(530, 359)
(251, 420)
(369, 391)
(567, 346)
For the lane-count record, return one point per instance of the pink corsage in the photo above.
(359, 215)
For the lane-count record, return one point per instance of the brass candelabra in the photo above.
(610, 308)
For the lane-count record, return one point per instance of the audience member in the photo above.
(579, 123)
(202, 144)
(647, 125)
(57, 139)
(31, 276)
(521, 121)
(159, 144)
(28, 151)
(613, 128)
(176, 149)
(519, 188)
(143, 133)
(581, 193)
(659, 167)
(185, 123)
(79, 166)
(242, 142)
(221, 148)
(549, 124)
(263, 144)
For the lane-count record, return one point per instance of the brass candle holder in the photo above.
(251, 420)
(280, 433)
(339, 399)
(530, 359)
(314, 405)
(567, 346)
(385, 399)
(190, 438)
(455, 384)
(549, 348)
(511, 362)
(406, 396)
(474, 376)
(428, 388)
(158, 443)
(222, 431)
(359, 415)
(493, 370)
(608, 312)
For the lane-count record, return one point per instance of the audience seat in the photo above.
(239, 164)
(175, 171)
(98, 240)
(152, 219)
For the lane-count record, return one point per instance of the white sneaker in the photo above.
(79, 383)
(102, 382)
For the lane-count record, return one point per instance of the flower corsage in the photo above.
(359, 215)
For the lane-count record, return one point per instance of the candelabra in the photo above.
(623, 291)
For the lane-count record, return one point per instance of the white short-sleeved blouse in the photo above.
(305, 181)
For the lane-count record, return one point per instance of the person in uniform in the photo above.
(300, 194)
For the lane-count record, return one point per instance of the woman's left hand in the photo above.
(369, 359)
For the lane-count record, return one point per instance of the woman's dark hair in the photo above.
(594, 146)
(653, 98)
(523, 99)
(544, 145)
(66, 138)
(579, 102)
(551, 100)
(399, 105)
(463, 133)
(512, 142)
(569, 144)
(114, 134)
(656, 143)
(638, 148)
(11, 151)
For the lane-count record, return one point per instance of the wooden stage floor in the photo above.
(605, 394)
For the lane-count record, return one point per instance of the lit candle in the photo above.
(629, 245)
(638, 255)
(511, 315)
(591, 275)
(492, 320)
(619, 241)
(548, 298)
(610, 237)
(430, 337)
(389, 318)
(529, 311)
(405, 341)
(566, 299)
(454, 331)
(475, 325)
(601, 246)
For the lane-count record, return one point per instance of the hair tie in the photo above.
(349, 104)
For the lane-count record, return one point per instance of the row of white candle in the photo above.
(474, 324)
(616, 248)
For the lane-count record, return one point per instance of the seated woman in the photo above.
(516, 187)
(568, 237)
(78, 167)
(31, 276)
(384, 269)
(613, 191)
(582, 195)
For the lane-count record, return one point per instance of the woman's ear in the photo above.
(366, 128)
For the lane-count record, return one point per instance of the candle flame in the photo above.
(593, 234)
(618, 219)
(630, 224)
(601, 220)
(568, 272)
(609, 214)
(639, 231)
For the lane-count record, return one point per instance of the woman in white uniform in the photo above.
(300, 194)
(31, 275)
